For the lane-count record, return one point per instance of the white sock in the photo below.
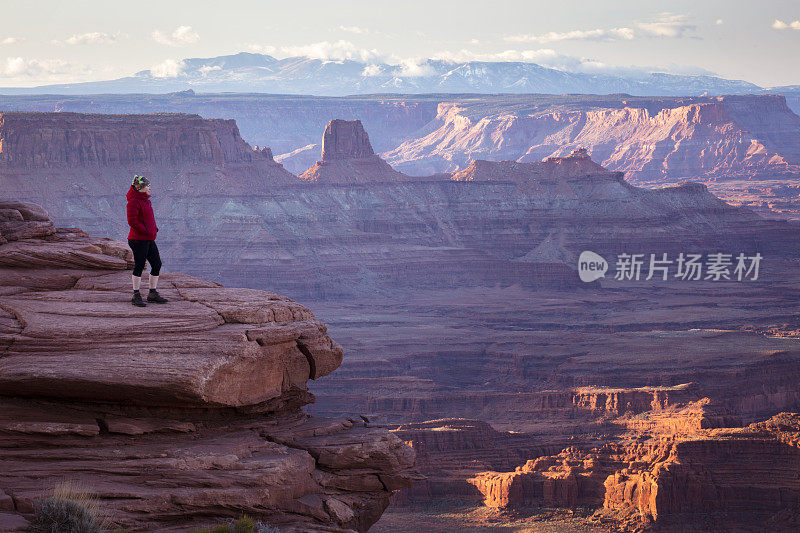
(153, 281)
(137, 282)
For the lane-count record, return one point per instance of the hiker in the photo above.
(142, 240)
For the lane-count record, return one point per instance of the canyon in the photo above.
(466, 330)
(242, 218)
(742, 146)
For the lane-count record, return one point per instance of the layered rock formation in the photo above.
(367, 230)
(379, 238)
(417, 137)
(45, 140)
(347, 157)
(677, 476)
(566, 369)
(715, 138)
(694, 475)
(451, 451)
(291, 125)
(462, 301)
(651, 140)
(172, 415)
(566, 178)
(52, 155)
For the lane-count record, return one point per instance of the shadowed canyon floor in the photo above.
(563, 370)
(495, 351)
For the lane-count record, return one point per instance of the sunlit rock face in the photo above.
(650, 140)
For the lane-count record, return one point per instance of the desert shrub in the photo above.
(244, 525)
(57, 515)
(71, 509)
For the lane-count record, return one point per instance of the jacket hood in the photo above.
(133, 193)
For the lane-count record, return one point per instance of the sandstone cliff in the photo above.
(347, 157)
(171, 414)
(55, 154)
(621, 136)
(660, 139)
(671, 477)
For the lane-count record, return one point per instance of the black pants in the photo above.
(145, 250)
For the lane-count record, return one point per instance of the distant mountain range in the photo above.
(249, 72)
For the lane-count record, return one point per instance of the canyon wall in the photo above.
(649, 138)
(680, 477)
(724, 142)
(291, 125)
(243, 219)
(67, 140)
(52, 156)
(703, 139)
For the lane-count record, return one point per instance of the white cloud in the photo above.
(355, 29)
(182, 35)
(261, 48)
(575, 35)
(92, 38)
(548, 57)
(474, 41)
(623, 33)
(169, 68)
(372, 70)
(378, 64)
(338, 51)
(23, 69)
(718, 22)
(541, 54)
(11, 40)
(205, 69)
(414, 68)
(666, 25)
(781, 25)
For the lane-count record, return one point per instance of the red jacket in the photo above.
(140, 216)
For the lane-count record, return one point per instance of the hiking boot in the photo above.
(137, 300)
(153, 296)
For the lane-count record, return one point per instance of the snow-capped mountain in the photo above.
(248, 72)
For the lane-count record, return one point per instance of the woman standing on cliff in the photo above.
(142, 240)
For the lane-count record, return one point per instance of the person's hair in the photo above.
(140, 182)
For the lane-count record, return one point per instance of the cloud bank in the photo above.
(181, 36)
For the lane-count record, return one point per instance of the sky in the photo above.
(49, 41)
